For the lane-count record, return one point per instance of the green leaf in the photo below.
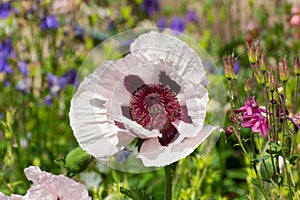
(293, 159)
(136, 194)
(139, 143)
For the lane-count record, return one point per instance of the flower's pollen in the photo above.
(155, 106)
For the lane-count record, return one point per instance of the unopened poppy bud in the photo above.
(296, 65)
(283, 70)
(246, 85)
(77, 160)
(229, 130)
(253, 51)
(262, 62)
(229, 67)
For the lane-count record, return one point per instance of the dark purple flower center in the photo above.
(155, 106)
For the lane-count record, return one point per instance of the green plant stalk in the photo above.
(264, 163)
(169, 175)
(297, 88)
(230, 97)
(237, 92)
(253, 164)
(253, 80)
(268, 111)
(274, 120)
(284, 125)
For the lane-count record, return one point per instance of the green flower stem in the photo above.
(297, 88)
(237, 92)
(169, 175)
(252, 80)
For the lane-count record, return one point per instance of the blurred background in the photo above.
(43, 43)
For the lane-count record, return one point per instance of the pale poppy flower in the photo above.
(47, 186)
(156, 93)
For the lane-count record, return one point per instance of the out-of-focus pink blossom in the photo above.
(47, 186)
(65, 6)
(295, 18)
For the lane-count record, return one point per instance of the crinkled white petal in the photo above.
(185, 130)
(185, 60)
(183, 65)
(49, 186)
(153, 154)
(12, 197)
(91, 118)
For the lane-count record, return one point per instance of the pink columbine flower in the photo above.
(253, 118)
(50, 187)
(156, 93)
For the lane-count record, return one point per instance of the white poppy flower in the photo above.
(156, 93)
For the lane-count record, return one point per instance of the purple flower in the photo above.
(191, 16)
(23, 67)
(253, 118)
(150, 6)
(177, 24)
(122, 156)
(6, 51)
(6, 48)
(24, 85)
(162, 23)
(48, 100)
(5, 9)
(49, 22)
(236, 67)
(57, 84)
(78, 31)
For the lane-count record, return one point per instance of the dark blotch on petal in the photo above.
(132, 82)
(125, 111)
(184, 115)
(169, 134)
(120, 125)
(97, 102)
(165, 80)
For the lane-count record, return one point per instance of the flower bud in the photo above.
(229, 130)
(272, 82)
(262, 62)
(253, 51)
(283, 70)
(296, 65)
(77, 160)
(229, 67)
(246, 85)
(259, 76)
